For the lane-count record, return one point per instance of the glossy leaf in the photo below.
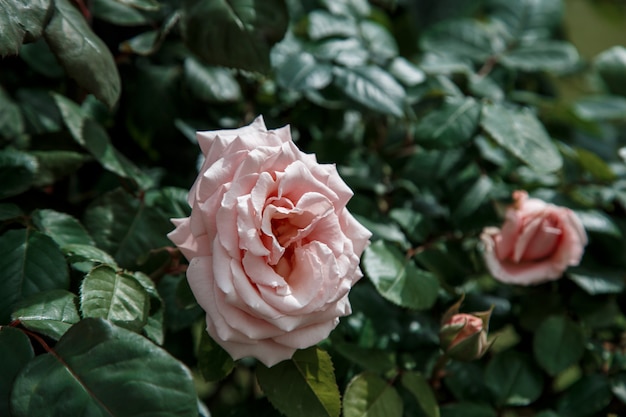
(147, 5)
(211, 83)
(325, 25)
(523, 135)
(100, 369)
(611, 66)
(599, 108)
(452, 125)
(86, 253)
(598, 280)
(50, 313)
(18, 172)
(83, 54)
(30, 263)
(367, 395)
(558, 343)
(303, 72)
(398, 279)
(22, 21)
(15, 352)
(513, 379)
(311, 380)
(61, 227)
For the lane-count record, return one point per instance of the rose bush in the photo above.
(536, 243)
(273, 251)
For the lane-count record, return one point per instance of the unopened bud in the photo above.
(464, 336)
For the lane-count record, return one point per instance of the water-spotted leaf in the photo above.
(50, 313)
(100, 369)
(310, 376)
(83, 54)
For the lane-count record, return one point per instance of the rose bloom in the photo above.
(272, 249)
(536, 243)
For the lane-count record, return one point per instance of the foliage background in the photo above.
(433, 111)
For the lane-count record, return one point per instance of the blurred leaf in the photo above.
(597, 281)
(143, 44)
(386, 231)
(347, 52)
(422, 392)
(117, 297)
(375, 360)
(310, 376)
(513, 379)
(172, 201)
(39, 57)
(467, 409)
(428, 166)
(587, 397)
(618, 386)
(593, 164)
(18, 172)
(9, 211)
(126, 227)
(596, 221)
(462, 37)
(39, 110)
(240, 33)
(379, 41)
(147, 5)
(211, 83)
(348, 7)
(116, 12)
(371, 87)
(15, 352)
(324, 25)
(528, 20)
(22, 21)
(406, 72)
(611, 65)
(54, 165)
(466, 381)
(11, 119)
(552, 56)
(213, 361)
(302, 72)
(523, 135)
(370, 396)
(83, 54)
(100, 369)
(474, 198)
(451, 125)
(557, 344)
(177, 317)
(50, 313)
(413, 223)
(62, 228)
(600, 108)
(398, 279)
(30, 263)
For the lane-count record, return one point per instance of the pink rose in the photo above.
(467, 325)
(272, 249)
(537, 242)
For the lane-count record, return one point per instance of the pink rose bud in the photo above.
(272, 249)
(464, 336)
(536, 243)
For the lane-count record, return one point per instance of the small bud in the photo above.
(464, 336)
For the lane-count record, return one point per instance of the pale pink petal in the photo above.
(307, 336)
(190, 245)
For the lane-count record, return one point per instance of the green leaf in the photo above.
(587, 397)
(118, 297)
(154, 327)
(611, 65)
(325, 25)
(596, 221)
(241, 32)
(618, 386)
(513, 379)
(54, 165)
(83, 54)
(303, 72)
(310, 380)
(398, 279)
(39, 57)
(77, 254)
(376, 360)
(11, 119)
(50, 313)
(22, 21)
(15, 352)
(213, 84)
(147, 5)
(528, 20)
(601, 108)
(598, 280)
(213, 361)
(9, 211)
(348, 7)
(451, 125)
(474, 198)
(551, 56)
(594, 165)
(101, 370)
(367, 395)
(371, 87)
(467, 409)
(378, 40)
(126, 227)
(62, 228)
(117, 13)
(462, 37)
(422, 392)
(523, 135)
(406, 72)
(18, 172)
(30, 263)
(557, 344)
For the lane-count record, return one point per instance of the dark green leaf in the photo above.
(126, 227)
(143, 44)
(30, 263)
(9, 211)
(15, 352)
(451, 125)
(379, 41)
(551, 56)
(39, 110)
(101, 370)
(523, 135)
(83, 55)
(513, 379)
(586, 398)
(11, 119)
(213, 361)
(406, 72)
(18, 172)
(600, 108)
(618, 386)
(154, 328)
(85, 253)
(367, 395)
(528, 20)
(22, 21)
(348, 7)
(371, 87)
(147, 5)
(324, 25)
(594, 165)
(118, 297)
(211, 83)
(50, 313)
(558, 343)
(474, 197)
(598, 281)
(39, 57)
(611, 65)
(310, 376)
(302, 72)
(62, 228)
(240, 34)
(114, 11)
(597, 222)
(467, 409)
(465, 38)
(422, 392)
(54, 165)
(398, 279)
(375, 360)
